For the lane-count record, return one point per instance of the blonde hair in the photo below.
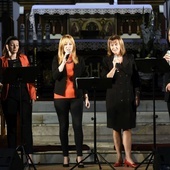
(121, 43)
(64, 40)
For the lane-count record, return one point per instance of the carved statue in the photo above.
(30, 34)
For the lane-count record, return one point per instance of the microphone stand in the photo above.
(20, 75)
(94, 84)
(154, 66)
(21, 147)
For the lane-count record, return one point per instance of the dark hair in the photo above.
(10, 38)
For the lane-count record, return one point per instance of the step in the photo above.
(46, 139)
(145, 106)
(142, 132)
(45, 127)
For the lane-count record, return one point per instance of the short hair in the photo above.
(8, 40)
(121, 42)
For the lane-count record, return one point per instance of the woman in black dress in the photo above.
(123, 98)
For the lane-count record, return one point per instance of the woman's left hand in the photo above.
(87, 103)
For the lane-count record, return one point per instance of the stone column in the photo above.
(115, 2)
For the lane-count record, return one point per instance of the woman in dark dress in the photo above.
(123, 98)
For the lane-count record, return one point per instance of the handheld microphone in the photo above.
(116, 58)
(67, 56)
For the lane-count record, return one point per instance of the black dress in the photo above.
(120, 99)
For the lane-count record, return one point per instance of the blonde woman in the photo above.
(66, 67)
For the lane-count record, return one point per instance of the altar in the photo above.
(90, 24)
(87, 8)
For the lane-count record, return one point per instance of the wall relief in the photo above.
(92, 27)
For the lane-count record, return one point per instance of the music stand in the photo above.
(94, 83)
(20, 75)
(152, 66)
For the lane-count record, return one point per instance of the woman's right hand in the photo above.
(61, 66)
(114, 62)
(9, 52)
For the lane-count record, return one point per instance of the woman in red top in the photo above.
(66, 67)
(14, 94)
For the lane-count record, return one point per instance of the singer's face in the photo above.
(68, 47)
(115, 47)
(13, 46)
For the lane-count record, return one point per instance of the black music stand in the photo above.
(94, 83)
(152, 66)
(20, 75)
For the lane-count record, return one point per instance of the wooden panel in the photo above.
(92, 27)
